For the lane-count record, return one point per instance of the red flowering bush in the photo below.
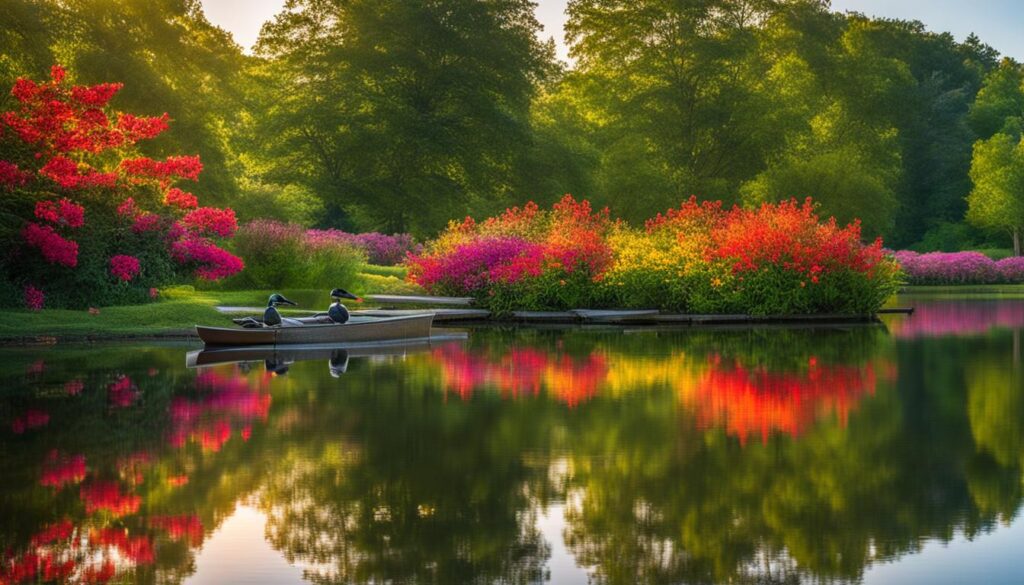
(777, 259)
(525, 258)
(70, 168)
(124, 267)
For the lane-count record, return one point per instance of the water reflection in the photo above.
(767, 456)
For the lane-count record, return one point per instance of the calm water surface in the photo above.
(853, 455)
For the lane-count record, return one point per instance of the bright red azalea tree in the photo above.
(84, 218)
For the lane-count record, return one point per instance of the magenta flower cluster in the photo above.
(470, 267)
(959, 268)
(381, 249)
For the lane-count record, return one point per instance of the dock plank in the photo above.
(439, 314)
(420, 300)
(546, 316)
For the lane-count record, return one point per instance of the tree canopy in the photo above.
(402, 115)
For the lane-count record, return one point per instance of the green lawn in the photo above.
(177, 311)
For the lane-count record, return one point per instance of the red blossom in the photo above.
(11, 175)
(135, 128)
(34, 298)
(175, 197)
(55, 249)
(64, 212)
(70, 175)
(211, 220)
(124, 267)
(141, 170)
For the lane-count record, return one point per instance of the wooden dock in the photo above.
(455, 310)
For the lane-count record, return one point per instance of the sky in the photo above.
(997, 22)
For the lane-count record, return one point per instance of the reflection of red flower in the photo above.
(122, 393)
(106, 496)
(103, 574)
(74, 387)
(185, 527)
(32, 419)
(522, 371)
(137, 549)
(61, 469)
(60, 531)
(758, 401)
(228, 403)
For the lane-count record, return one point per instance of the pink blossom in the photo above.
(211, 220)
(34, 298)
(63, 212)
(215, 263)
(11, 175)
(124, 267)
(55, 249)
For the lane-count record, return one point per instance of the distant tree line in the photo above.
(400, 115)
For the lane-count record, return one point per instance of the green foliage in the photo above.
(280, 255)
(401, 113)
(167, 54)
(997, 169)
(291, 203)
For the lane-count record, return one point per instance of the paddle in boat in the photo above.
(335, 326)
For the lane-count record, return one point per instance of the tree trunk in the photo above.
(1016, 241)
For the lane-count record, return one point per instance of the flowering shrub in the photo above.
(526, 258)
(959, 268)
(70, 171)
(279, 255)
(776, 259)
(380, 249)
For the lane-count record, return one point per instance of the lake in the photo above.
(863, 454)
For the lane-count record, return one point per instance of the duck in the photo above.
(338, 312)
(271, 317)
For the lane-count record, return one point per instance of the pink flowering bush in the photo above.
(93, 220)
(381, 249)
(279, 255)
(124, 267)
(941, 268)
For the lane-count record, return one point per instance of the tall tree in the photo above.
(672, 88)
(401, 114)
(997, 200)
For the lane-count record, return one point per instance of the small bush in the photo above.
(939, 268)
(279, 255)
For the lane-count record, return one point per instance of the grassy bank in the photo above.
(176, 312)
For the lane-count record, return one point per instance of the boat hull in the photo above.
(409, 327)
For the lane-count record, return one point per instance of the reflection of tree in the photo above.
(747, 457)
(100, 493)
(430, 492)
(674, 504)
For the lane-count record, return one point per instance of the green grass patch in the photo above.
(178, 309)
(396, 271)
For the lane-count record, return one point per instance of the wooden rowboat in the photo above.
(355, 331)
